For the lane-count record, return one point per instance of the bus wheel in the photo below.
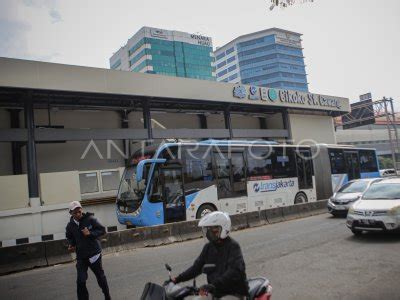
(203, 210)
(300, 198)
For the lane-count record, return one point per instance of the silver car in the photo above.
(350, 192)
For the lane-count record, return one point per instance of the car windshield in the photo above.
(354, 187)
(383, 191)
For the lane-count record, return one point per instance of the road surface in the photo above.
(311, 258)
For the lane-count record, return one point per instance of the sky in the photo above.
(351, 47)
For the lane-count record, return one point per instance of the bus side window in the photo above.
(338, 165)
(283, 162)
(198, 173)
(259, 163)
(238, 173)
(368, 161)
(223, 174)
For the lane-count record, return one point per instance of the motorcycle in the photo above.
(259, 289)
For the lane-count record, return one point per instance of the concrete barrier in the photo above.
(304, 210)
(112, 241)
(322, 204)
(239, 221)
(57, 252)
(318, 207)
(274, 215)
(314, 208)
(190, 230)
(127, 239)
(22, 257)
(256, 218)
(166, 234)
(28, 256)
(290, 212)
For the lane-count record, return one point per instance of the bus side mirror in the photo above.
(140, 166)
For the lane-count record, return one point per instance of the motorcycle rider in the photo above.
(229, 275)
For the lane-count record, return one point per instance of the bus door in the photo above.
(173, 193)
(352, 164)
(230, 170)
(304, 169)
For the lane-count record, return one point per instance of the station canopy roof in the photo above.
(58, 84)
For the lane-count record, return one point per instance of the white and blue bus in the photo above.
(184, 181)
(348, 163)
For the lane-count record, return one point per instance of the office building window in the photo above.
(234, 76)
(230, 50)
(222, 73)
(221, 64)
(219, 56)
(230, 69)
(230, 59)
(116, 64)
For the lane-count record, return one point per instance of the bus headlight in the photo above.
(395, 211)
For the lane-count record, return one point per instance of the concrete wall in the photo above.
(33, 223)
(13, 192)
(51, 156)
(275, 121)
(175, 120)
(314, 127)
(78, 118)
(363, 135)
(216, 121)
(60, 187)
(70, 156)
(244, 122)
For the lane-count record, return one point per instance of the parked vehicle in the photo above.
(259, 288)
(348, 193)
(378, 209)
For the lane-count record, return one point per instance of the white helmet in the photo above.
(216, 219)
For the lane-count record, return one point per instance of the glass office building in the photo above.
(165, 52)
(269, 58)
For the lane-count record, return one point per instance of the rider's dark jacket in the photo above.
(229, 276)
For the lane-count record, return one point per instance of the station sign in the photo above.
(289, 98)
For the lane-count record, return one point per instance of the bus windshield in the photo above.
(130, 193)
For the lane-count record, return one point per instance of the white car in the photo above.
(378, 209)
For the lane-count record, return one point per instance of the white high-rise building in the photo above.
(270, 58)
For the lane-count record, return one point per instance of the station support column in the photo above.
(31, 162)
(287, 126)
(228, 122)
(147, 121)
(16, 146)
